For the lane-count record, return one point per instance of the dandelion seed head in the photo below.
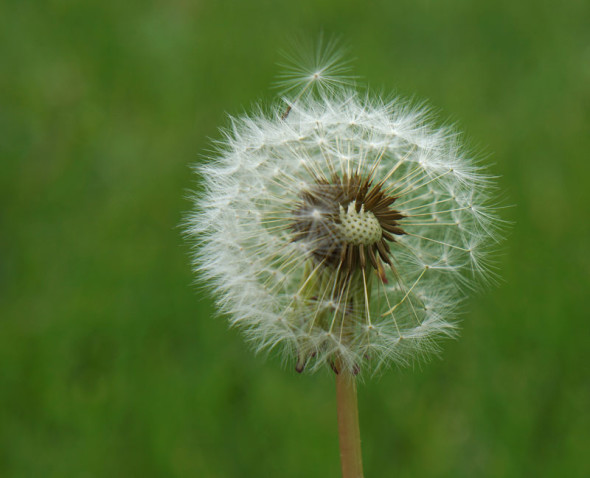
(343, 229)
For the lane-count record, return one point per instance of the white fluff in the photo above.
(246, 253)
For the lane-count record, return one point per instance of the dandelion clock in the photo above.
(342, 229)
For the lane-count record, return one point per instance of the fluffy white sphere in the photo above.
(342, 229)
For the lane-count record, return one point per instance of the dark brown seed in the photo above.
(327, 246)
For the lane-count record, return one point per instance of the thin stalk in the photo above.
(348, 426)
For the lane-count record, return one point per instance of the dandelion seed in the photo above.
(342, 228)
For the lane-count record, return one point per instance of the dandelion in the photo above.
(342, 229)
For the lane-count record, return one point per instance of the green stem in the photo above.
(348, 426)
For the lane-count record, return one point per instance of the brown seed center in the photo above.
(347, 223)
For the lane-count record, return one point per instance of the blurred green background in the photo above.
(111, 363)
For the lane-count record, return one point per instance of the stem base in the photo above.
(348, 426)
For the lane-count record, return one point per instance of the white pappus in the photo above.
(340, 227)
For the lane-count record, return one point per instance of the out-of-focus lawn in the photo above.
(111, 363)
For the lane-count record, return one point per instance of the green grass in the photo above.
(111, 363)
